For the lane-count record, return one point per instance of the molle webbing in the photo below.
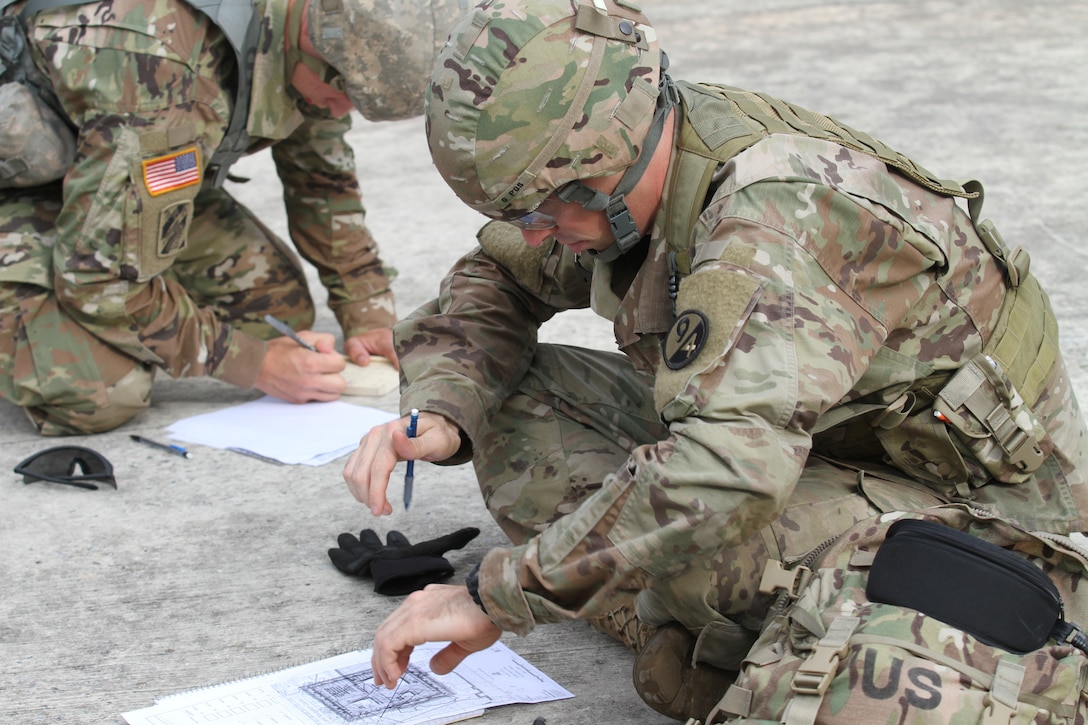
(782, 117)
(721, 121)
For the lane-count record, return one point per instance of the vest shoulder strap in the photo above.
(721, 121)
(239, 22)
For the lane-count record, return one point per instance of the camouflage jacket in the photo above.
(824, 279)
(144, 81)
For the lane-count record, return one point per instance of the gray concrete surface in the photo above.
(200, 571)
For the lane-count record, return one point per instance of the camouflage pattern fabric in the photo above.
(67, 378)
(516, 139)
(36, 146)
(555, 429)
(822, 278)
(832, 656)
(385, 76)
(148, 84)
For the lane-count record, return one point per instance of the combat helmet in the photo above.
(382, 49)
(528, 97)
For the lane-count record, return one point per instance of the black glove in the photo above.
(397, 566)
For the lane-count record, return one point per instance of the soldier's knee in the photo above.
(124, 400)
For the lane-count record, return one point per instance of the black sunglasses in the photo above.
(70, 465)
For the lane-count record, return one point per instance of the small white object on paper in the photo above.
(341, 689)
(311, 434)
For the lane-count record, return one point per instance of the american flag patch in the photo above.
(173, 171)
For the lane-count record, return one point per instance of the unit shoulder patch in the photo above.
(716, 302)
(685, 339)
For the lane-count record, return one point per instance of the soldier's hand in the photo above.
(372, 342)
(291, 372)
(369, 467)
(438, 613)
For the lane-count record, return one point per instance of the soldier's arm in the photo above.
(327, 222)
(463, 353)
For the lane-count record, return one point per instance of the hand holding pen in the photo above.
(369, 471)
(301, 370)
(284, 329)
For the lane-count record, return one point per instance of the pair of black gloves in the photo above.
(398, 567)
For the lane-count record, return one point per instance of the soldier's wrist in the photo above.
(472, 583)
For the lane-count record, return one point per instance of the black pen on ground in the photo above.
(168, 447)
(410, 474)
(284, 329)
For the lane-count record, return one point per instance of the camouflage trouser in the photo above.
(574, 419)
(71, 382)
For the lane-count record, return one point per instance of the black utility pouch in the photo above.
(989, 592)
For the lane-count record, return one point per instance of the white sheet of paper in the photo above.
(311, 434)
(341, 689)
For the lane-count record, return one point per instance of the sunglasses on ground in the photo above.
(70, 465)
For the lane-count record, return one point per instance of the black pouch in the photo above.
(989, 592)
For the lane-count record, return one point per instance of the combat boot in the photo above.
(624, 626)
(667, 681)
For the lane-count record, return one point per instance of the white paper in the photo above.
(341, 690)
(311, 434)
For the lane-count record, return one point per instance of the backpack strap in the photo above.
(814, 676)
(239, 22)
(1004, 693)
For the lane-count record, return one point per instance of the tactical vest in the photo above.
(988, 400)
(236, 19)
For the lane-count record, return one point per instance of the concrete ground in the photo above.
(210, 569)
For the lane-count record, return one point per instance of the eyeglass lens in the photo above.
(534, 221)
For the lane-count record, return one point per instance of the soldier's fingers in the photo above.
(437, 613)
(372, 342)
(368, 468)
(389, 667)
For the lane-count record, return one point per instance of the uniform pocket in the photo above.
(983, 409)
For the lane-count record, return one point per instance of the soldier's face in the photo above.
(582, 230)
(576, 227)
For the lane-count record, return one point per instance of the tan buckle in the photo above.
(1024, 452)
(1019, 264)
(775, 577)
(815, 674)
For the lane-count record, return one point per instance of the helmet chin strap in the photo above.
(624, 229)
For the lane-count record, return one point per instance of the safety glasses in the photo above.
(70, 465)
(534, 220)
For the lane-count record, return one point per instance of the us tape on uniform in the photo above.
(373, 380)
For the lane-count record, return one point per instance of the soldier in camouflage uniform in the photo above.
(813, 330)
(134, 261)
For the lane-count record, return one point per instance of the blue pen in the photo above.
(410, 474)
(168, 447)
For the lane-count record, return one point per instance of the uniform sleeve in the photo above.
(327, 222)
(463, 354)
(791, 323)
(134, 97)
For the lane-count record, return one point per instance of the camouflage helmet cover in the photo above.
(529, 95)
(384, 49)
